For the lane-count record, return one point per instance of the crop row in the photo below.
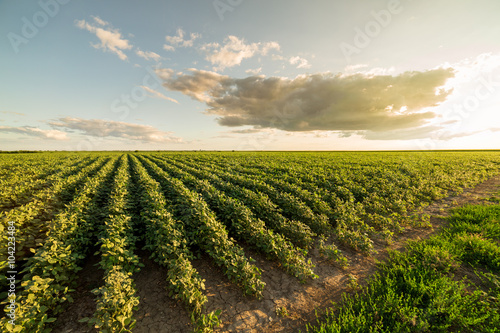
(51, 272)
(33, 219)
(204, 230)
(181, 205)
(245, 225)
(117, 299)
(350, 228)
(166, 239)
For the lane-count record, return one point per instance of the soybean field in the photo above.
(242, 214)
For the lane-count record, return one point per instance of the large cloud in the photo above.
(36, 132)
(199, 85)
(118, 129)
(317, 101)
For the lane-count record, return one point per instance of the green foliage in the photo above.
(116, 302)
(282, 311)
(116, 299)
(165, 238)
(415, 291)
(52, 271)
(331, 252)
(35, 203)
(207, 322)
(297, 232)
(484, 220)
(182, 203)
(355, 238)
(243, 222)
(352, 282)
(477, 250)
(203, 229)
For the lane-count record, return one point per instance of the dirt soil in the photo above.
(157, 313)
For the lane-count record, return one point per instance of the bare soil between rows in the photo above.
(158, 313)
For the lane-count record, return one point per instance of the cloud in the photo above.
(199, 85)
(179, 41)
(254, 71)
(111, 39)
(345, 134)
(34, 131)
(447, 135)
(472, 73)
(422, 132)
(268, 46)
(248, 131)
(316, 102)
(234, 51)
(354, 68)
(322, 134)
(158, 94)
(433, 132)
(300, 62)
(100, 21)
(10, 112)
(375, 71)
(148, 55)
(277, 57)
(117, 129)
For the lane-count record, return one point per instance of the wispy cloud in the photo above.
(36, 132)
(433, 132)
(10, 112)
(300, 62)
(354, 68)
(248, 131)
(277, 57)
(254, 71)
(318, 101)
(105, 128)
(158, 94)
(179, 41)
(100, 21)
(234, 51)
(148, 55)
(111, 39)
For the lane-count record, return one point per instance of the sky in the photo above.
(249, 75)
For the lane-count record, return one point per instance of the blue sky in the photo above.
(249, 75)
